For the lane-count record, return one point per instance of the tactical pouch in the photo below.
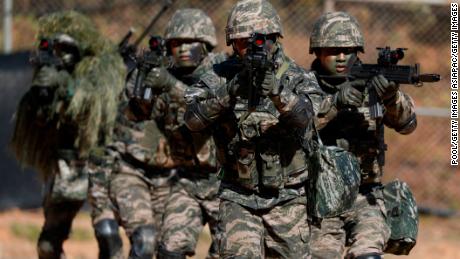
(247, 169)
(70, 182)
(402, 217)
(271, 171)
(334, 179)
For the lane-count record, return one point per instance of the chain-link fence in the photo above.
(421, 159)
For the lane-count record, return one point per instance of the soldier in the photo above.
(191, 197)
(344, 120)
(190, 36)
(67, 113)
(100, 166)
(263, 203)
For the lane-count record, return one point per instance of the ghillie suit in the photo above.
(68, 113)
(87, 100)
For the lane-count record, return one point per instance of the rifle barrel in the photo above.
(429, 78)
(152, 22)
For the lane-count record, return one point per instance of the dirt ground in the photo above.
(438, 238)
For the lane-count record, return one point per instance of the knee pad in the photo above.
(165, 254)
(108, 238)
(369, 256)
(143, 242)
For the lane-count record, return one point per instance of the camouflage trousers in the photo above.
(364, 230)
(279, 232)
(65, 194)
(138, 200)
(99, 173)
(192, 204)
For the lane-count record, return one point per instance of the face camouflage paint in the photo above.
(187, 54)
(337, 61)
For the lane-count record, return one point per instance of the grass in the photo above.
(31, 232)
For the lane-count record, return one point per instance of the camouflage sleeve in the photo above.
(317, 97)
(177, 92)
(400, 113)
(206, 101)
(327, 111)
(295, 106)
(208, 62)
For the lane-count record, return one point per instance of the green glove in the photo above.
(385, 89)
(269, 84)
(348, 95)
(159, 80)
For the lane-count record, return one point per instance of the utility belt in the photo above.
(150, 171)
(264, 170)
(195, 173)
(368, 187)
(370, 148)
(357, 145)
(261, 191)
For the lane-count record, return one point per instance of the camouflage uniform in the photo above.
(142, 185)
(100, 166)
(138, 186)
(364, 227)
(64, 108)
(263, 204)
(193, 201)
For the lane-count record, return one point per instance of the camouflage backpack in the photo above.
(334, 179)
(402, 217)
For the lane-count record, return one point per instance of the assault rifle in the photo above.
(128, 51)
(387, 66)
(45, 55)
(154, 57)
(258, 59)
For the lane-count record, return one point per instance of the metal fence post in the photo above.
(7, 26)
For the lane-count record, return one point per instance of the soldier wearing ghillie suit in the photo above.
(69, 110)
(263, 202)
(344, 121)
(150, 205)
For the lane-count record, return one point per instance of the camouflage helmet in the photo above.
(73, 27)
(336, 29)
(249, 16)
(192, 24)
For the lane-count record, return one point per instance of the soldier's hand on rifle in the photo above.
(385, 89)
(159, 80)
(348, 95)
(50, 76)
(269, 84)
(233, 87)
